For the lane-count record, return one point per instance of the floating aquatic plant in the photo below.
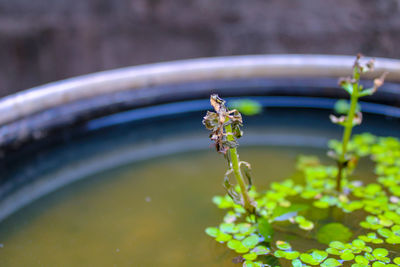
(265, 228)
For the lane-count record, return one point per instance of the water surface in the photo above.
(150, 213)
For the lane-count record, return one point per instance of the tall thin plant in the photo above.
(225, 127)
(354, 116)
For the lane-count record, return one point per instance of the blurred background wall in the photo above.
(47, 40)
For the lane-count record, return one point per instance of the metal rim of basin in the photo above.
(37, 99)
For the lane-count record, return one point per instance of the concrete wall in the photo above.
(48, 40)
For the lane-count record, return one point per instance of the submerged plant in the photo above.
(304, 221)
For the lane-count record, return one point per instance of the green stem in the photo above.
(347, 133)
(247, 203)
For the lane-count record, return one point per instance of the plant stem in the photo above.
(347, 131)
(247, 203)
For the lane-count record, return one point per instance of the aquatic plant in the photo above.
(354, 115)
(225, 127)
(308, 220)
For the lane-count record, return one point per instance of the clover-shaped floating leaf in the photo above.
(307, 258)
(361, 260)
(371, 237)
(283, 245)
(380, 252)
(378, 264)
(250, 256)
(347, 255)
(251, 241)
(224, 202)
(331, 262)
(237, 246)
(333, 232)
(358, 243)
(304, 223)
(289, 255)
(319, 255)
(229, 228)
(212, 231)
(249, 263)
(297, 263)
(223, 237)
(279, 253)
(261, 250)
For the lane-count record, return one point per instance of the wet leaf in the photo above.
(319, 255)
(251, 241)
(307, 258)
(250, 256)
(331, 263)
(212, 231)
(283, 245)
(261, 250)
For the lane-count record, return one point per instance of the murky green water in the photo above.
(151, 213)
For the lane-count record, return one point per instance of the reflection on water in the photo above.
(145, 214)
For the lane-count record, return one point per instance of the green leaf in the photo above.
(378, 264)
(237, 246)
(212, 231)
(251, 241)
(333, 251)
(342, 106)
(223, 202)
(358, 243)
(283, 245)
(296, 263)
(265, 229)
(348, 87)
(333, 232)
(306, 225)
(347, 256)
(307, 258)
(228, 228)
(279, 253)
(365, 92)
(261, 250)
(250, 256)
(380, 252)
(246, 106)
(222, 237)
(337, 245)
(331, 263)
(234, 244)
(291, 255)
(319, 255)
(361, 260)
(384, 232)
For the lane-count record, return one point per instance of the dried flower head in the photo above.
(216, 121)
